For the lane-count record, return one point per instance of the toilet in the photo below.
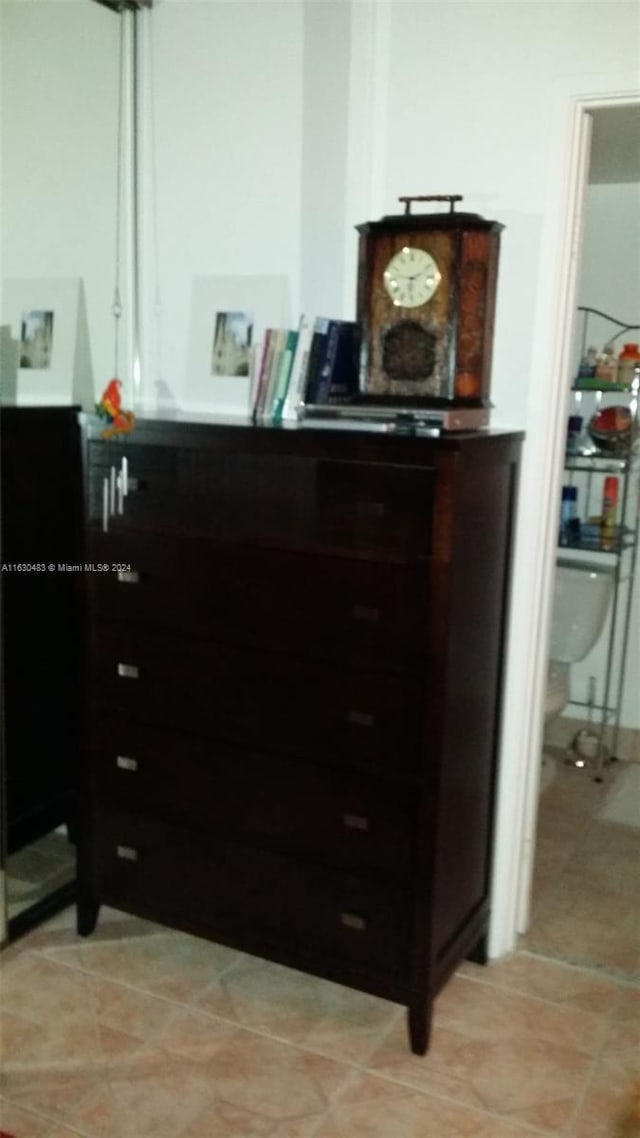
(583, 591)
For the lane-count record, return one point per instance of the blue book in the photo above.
(344, 364)
(326, 362)
(316, 355)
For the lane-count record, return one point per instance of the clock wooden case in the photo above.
(426, 302)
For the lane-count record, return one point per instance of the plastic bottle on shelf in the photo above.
(588, 364)
(628, 362)
(609, 531)
(569, 521)
(607, 365)
(574, 434)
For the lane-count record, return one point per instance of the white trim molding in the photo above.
(573, 98)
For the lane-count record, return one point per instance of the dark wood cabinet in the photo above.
(41, 618)
(295, 644)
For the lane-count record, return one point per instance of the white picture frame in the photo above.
(48, 322)
(262, 300)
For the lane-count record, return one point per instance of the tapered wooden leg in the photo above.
(479, 953)
(419, 1019)
(86, 917)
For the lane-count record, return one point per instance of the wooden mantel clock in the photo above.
(426, 301)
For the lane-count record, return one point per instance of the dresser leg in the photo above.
(86, 917)
(479, 953)
(419, 1017)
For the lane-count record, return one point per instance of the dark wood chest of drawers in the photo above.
(40, 619)
(294, 674)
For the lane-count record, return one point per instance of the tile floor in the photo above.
(38, 870)
(144, 1032)
(586, 889)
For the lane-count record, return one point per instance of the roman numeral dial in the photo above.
(411, 277)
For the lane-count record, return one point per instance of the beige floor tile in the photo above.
(51, 1092)
(212, 1080)
(168, 963)
(273, 1079)
(22, 1123)
(127, 1010)
(56, 1014)
(60, 931)
(195, 1036)
(586, 906)
(62, 1132)
(375, 1108)
(29, 1047)
(486, 1014)
(612, 1092)
(548, 980)
(137, 1104)
(225, 1120)
(520, 1058)
(301, 1009)
(40, 990)
(587, 942)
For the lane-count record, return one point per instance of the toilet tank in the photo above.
(583, 592)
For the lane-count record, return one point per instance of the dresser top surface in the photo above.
(188, 428)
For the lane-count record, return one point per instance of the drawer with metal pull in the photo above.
(337, 817)
(263, 898)
(330, 607)
(383, 509)
(284, 500)
(275, 701)
(129, 486)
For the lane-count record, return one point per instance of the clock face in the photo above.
(411, 277)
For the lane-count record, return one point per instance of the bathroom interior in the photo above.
(586, 882)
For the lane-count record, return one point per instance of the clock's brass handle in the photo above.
(451, 198)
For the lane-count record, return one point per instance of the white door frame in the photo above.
(517, 808)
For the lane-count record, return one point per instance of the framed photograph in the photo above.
(228, 318)
(47, 322)
(9, 358)
(231, 349)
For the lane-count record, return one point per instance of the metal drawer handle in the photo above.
(128, 576)
(127, 853)
(355, 821)
(353, 921)
(362, 612)
(129, 671)
(105, 505)
(370, 509)
(361, 719)
(126, 764)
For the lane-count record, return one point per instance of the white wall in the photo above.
(59, 144)
(471, 100)
(222, 96)
(610, 270)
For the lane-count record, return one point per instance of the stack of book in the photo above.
(314, 365)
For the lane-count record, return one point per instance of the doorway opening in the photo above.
(578, 900)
